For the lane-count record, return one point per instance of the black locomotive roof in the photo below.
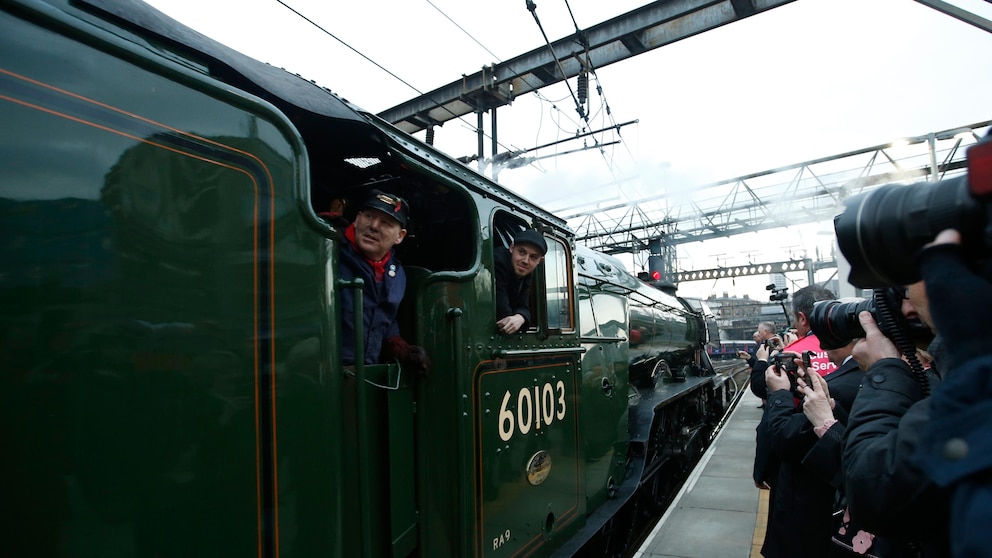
(289, 92)
(269, 81)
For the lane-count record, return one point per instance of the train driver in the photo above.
(369, 253)
(513, 277)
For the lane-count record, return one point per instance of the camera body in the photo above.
(879, 232)
(786, 364)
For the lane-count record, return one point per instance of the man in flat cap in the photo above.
(513, 276)
(368, 253)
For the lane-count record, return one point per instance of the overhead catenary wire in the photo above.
(532, 7)
(592, 70)
(353, 49)
(579, 104)
(534, 88)
(380, 66)
(469, 125)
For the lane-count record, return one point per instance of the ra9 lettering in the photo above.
(502, 539)
(532, 408)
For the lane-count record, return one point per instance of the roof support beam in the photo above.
(651, 26)
(959, 14)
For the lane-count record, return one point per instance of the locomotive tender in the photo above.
(171, 331)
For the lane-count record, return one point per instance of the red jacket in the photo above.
(820, 362)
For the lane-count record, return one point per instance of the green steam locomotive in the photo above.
(170, 331)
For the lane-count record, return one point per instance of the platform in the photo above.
(719, 513)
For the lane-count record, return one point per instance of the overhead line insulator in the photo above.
(583, 87)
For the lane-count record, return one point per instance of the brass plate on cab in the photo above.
(538, 467)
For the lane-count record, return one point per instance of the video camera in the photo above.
(880, 232)
(777, 294)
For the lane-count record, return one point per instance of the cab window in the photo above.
(558, 286)
(551, 288)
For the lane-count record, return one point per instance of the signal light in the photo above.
(980, 168)
(655, 275)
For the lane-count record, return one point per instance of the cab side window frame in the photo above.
(552, 298)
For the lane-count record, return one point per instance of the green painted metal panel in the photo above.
(526, 419)
(166, 385)
(604, 392)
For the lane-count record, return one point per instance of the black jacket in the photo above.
(512, 292)
(824, 458)
(765, 468)
(800, 519)
(888, 494)
(804, 491)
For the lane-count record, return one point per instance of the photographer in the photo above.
(829, 420)
(895, 428)
(764, 469)
(887, 493)
(800, 511)
(801, 504)
(956, 449)
(807, 440)
(826, 417)
(802, 310)
(765, 334)
(768, 345)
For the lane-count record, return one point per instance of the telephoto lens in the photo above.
(880, 231)
(836, 323)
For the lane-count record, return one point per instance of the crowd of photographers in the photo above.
(886, 449)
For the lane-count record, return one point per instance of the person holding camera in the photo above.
(828, 420)
(806, 340)
(764, 468)
(887, 492)
(748, 355)
(764, 335)
(801, 504)
(800, 521)
(911, 459)
(956, 448)
(768, 345)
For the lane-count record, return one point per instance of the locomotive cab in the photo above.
(502, 410)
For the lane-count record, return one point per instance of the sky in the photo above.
(810, 79)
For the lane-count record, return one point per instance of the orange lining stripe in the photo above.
(261, 164)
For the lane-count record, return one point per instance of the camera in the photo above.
(785, 363)
(773, 343)
(777, 294)
(836, 323)
(880, 231)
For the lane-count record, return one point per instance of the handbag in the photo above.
(852, 540)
